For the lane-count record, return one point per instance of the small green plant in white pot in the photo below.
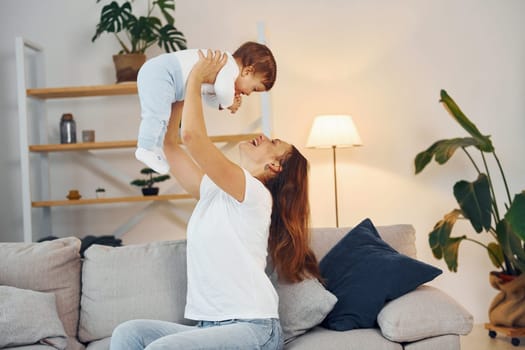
(100, 192)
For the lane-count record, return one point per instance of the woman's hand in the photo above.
(207, 68)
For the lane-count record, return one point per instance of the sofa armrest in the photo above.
(423, 313)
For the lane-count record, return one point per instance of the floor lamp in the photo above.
(333, 131)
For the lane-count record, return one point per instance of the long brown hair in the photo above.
(289, 240)
(260, 57)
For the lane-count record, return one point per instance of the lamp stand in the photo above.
(335, 190)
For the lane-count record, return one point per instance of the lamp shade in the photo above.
(333, 130)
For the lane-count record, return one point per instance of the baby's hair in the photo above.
(260, 58)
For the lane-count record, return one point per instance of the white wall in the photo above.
(383, 62)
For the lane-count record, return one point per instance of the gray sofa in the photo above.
(50, 297)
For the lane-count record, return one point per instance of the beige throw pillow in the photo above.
(29, 317)
(51, 266)
(423, 313)
(146, 281)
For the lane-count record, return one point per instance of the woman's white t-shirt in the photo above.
(226, 256)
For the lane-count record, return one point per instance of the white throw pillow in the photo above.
(29, 317)
(423, 313)
(146, 281)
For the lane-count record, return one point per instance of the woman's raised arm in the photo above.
(223, 172)
(183, 168)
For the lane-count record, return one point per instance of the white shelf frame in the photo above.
(21, 46)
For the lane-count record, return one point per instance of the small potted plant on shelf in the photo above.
(147, 184)
(137, 33)
(100, 192)
(505, 226)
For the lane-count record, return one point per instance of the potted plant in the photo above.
(147, 184)
(100, 192)
(136, 33)
(478, 203)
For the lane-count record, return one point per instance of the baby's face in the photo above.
(248, 82)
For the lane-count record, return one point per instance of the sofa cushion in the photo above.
(29, 317)
(51, 266)
(423, 313)
(102, 344)
(401, 237)
(364, 272)
(447, 341)
(357, 339)
(302, 306)
(130, 282)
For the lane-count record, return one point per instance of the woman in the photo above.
(229, 234)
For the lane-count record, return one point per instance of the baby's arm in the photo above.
(237, 101)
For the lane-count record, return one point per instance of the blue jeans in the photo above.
(261, 334)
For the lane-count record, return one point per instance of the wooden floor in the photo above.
(479, 339)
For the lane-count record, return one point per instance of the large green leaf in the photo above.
(475, 201)
(450, 253)
(143, 32)
(442, 151)
(113, 18)
(512, 247)
(165, 6)
(495, 254)
(161, 178)
(171, 39)
(439, 237)
(485, 144)
(516, 215)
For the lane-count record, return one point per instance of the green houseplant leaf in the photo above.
(165, 6)
(113, 18)
(484, 142)
(516, 215)
(443, 246)
(475, 201)
(511, 247)
(143, 33)
(171, 39)
(439, 238)
(442, 151)
(495, 254)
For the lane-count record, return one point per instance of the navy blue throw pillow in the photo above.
(364, 273)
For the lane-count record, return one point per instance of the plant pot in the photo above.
(508, 306)
(150, 191)
(127, 66)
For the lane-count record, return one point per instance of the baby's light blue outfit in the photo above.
(162, 81)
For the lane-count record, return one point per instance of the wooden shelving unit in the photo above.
(83, 91)
(66, 202)
(84, 146)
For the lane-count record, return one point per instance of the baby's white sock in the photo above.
(154, 159)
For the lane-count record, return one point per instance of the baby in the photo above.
(161, 82)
